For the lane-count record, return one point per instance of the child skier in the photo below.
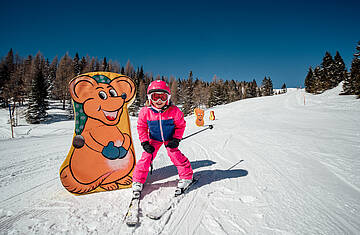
(160, 123)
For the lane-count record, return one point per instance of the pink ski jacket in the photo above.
(160, 125)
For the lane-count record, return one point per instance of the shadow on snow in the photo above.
(206, 176)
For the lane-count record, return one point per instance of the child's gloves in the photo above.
(173, 143)
(147, 147)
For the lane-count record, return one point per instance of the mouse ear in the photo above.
(82, 88)
(124, 86)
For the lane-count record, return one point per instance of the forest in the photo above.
(34, 80)
(331, 72)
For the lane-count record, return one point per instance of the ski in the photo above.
(179, 194)
(132, 215)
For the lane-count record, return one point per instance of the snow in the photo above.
(271, 165)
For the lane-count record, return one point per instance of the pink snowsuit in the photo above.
(159, 127)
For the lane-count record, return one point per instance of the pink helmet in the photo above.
(158, 85)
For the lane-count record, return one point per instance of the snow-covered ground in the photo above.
(271, 165)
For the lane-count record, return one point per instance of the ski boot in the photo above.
(183, 184)
(137, 188)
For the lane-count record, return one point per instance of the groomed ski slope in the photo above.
(271, 165)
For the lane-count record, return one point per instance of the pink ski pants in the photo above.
(181, 162)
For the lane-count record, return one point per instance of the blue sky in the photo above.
(241, 40)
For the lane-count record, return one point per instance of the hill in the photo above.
(271, 165)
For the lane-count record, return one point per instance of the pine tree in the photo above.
(217, 95)
(44, 85)
(233, 92)
(317, 84)
(325, 72)
(340, 69)
(264, 87)
(142, 93)
(135, 106)
(52, 76)
(213, 96)
(347, 86)
(180, 94)
(174, 90)
(104, 66)
(243, 90)
(267, 87)
(196, 97)
(249, 90)
(45, 71)
(141, 86)
(6, 68)
(226, 92)
(283, 88)
(88, 66)
(97, 66)
(76, 65)
(240, 89)
(355, 71)
(92, 65)
(351, 83)
(83, 65)
(254, 89)
(188, 102)
(36, 111)
(271, 86)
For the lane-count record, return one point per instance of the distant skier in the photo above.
(159, 123)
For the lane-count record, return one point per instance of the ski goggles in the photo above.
(155, 96)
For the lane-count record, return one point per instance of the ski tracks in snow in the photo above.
(192, 207)
(195, 212)
(283, 192)
(199, 213)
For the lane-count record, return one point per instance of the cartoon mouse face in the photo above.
(102, 101)
(200, 116)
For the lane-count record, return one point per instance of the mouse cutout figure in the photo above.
(199, 113)
(102, 156)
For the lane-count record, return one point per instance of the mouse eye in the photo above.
(103, 95)
(113, 93)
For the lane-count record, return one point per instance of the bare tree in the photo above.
(64, 74)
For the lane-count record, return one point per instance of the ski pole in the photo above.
(209, 127)
(152, 155)
(151, 164)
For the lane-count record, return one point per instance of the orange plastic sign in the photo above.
(102, 155)
(199, 113)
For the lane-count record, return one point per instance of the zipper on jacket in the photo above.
(161, 130)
